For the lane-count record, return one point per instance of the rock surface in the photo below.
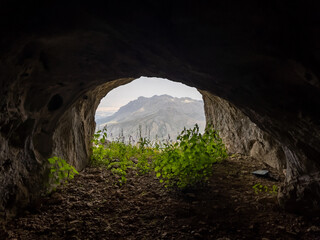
(72, 137)
(261, 57)
(240, 134)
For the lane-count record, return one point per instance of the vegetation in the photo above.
(60, 172)
(119, 157)
(258, 188)
(183, 163)
(189, 161)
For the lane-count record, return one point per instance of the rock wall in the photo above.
(28, 140)
(22, 170)
(240, 134)
(73, 134)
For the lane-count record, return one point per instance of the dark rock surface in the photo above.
(56, 55)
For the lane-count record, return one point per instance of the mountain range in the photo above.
(160, 117)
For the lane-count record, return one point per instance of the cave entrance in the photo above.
(155, 108)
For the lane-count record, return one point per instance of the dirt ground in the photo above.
(92, 207)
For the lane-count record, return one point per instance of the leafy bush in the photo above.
(60, 172)
(190, 160)
(183, 163)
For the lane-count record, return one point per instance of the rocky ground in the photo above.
(92, 207)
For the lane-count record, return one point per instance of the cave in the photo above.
(258, 62)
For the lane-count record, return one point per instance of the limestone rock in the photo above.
(240, 134)
(74, 132)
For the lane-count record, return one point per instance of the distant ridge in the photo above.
(156, 117)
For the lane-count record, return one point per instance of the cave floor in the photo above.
(91, 207)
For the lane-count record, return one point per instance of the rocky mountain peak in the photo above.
(157, 117)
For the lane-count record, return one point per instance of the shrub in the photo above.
(189, 161)
(60, 172)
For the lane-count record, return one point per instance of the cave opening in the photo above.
(155, 108)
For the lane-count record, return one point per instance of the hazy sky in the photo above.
(146, 87)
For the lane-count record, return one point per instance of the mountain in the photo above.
(155, 117)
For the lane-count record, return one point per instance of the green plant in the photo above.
(116, 155)
(183, 163)
(60, 172)
(144, 143)
(99, 152)
(189, 161)
(119, 156)
(143, 162)
(262, 188)
(144, 154)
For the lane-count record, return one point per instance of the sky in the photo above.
(146, 87)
